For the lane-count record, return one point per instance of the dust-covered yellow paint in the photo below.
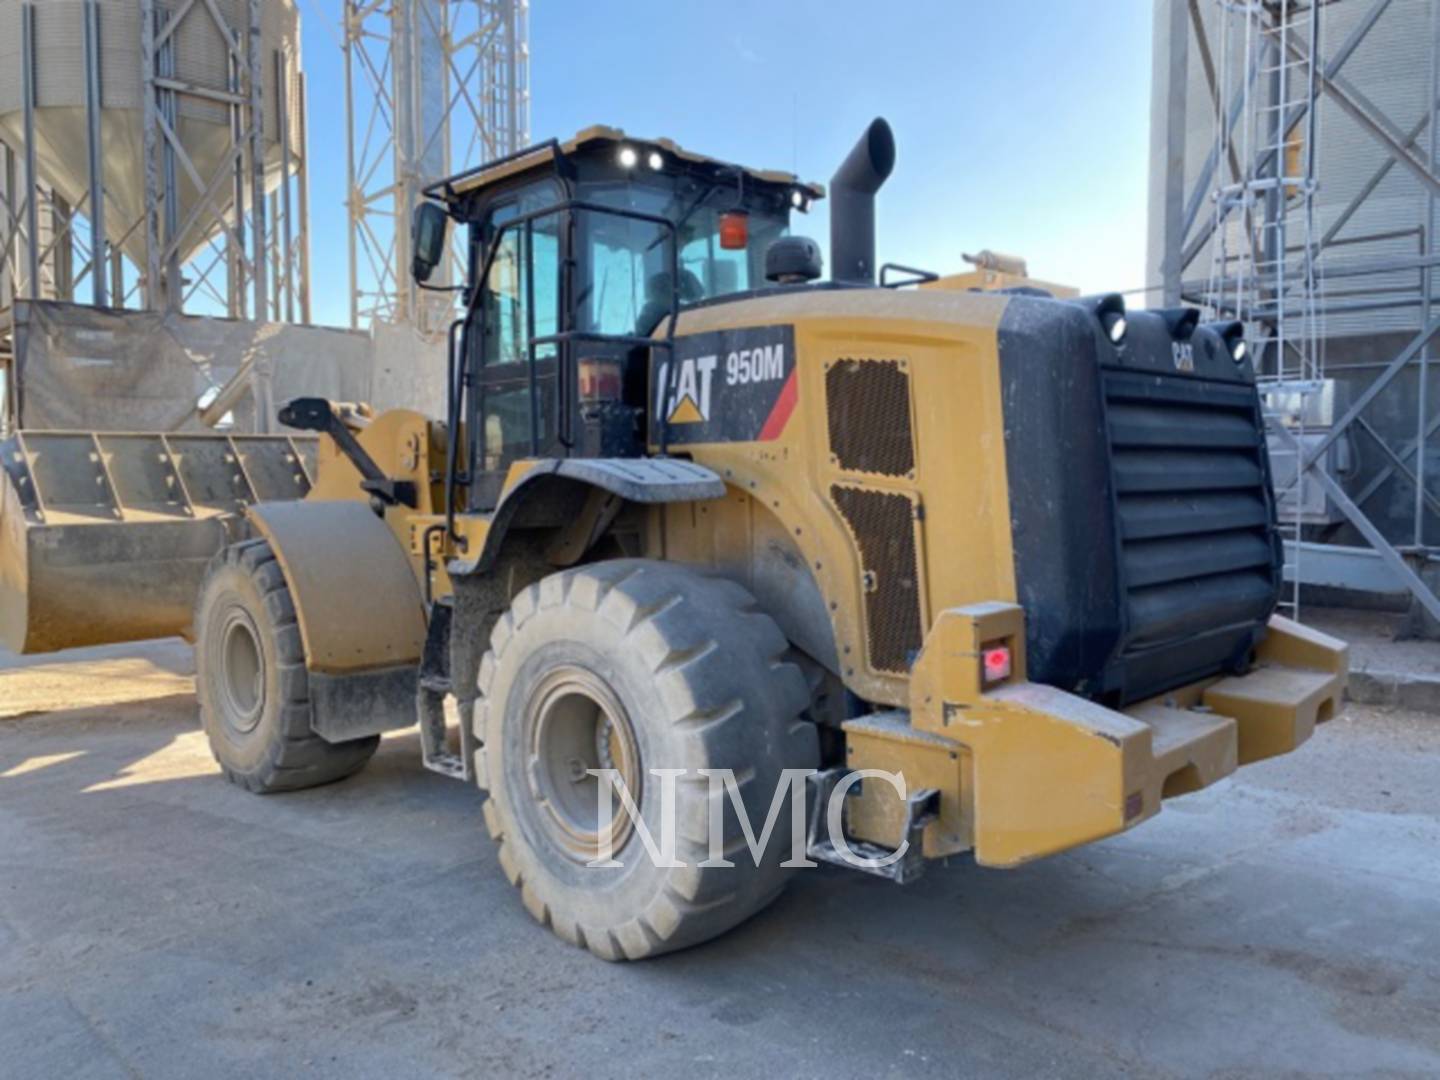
(947, 343)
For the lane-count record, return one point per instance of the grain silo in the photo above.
(188, 116)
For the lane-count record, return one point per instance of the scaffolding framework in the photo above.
(253, 261)
(1271, 69)
(1263, 251)
(431, 86)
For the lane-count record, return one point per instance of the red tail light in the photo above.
(997, 663)
(601, 379)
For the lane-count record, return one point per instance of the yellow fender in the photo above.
(361, 615)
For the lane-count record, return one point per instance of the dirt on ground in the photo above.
(156, 921)
(87, 678)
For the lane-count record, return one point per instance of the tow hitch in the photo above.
(902, 866)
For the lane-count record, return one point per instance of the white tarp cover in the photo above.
(409, 370)
(90, 369)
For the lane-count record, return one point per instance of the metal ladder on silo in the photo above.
(1259, 283)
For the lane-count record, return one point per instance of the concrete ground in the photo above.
(1388, 665)
(157, 922)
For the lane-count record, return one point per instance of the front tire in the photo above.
(252, 682)
(638, 665)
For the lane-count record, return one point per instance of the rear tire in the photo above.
(252, 681)
(638, 665)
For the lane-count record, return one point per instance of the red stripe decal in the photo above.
(780, 414)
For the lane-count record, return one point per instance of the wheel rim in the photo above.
(242, 672)
(575, 723)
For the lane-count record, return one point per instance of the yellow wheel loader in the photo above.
(991, 567)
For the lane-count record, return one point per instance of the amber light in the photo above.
(996, 661)
(734, 230)
(600, 379)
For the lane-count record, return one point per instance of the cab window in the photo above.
(625, 263)
(521, 303)
(524, 283)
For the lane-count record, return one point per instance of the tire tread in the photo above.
(679, 621)
(294, 757)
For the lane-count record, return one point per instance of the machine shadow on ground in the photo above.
(369, 923)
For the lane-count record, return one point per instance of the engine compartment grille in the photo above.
(1196, 548)
(868, 411)
(883, 524)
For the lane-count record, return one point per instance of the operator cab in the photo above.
(577, 254)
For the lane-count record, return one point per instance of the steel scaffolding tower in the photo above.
(1307, 130)
(431, 86)
(1263, 255)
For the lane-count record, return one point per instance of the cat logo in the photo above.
(687, 412)
(690, 402)
(1183, 354)
(724, 386)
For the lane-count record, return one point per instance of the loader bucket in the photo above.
(105, 537)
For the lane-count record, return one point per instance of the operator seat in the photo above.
(657, 299)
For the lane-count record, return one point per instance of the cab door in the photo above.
(517, 380)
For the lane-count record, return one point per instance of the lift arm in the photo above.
(318, 414)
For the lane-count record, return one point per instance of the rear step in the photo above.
(1277, 707)
(436, 692)
(1192, 748)
(435, 752)
(1237, 720)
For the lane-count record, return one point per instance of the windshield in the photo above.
(624, 264)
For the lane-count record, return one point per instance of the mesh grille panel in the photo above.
(884, 529)
(868, 404)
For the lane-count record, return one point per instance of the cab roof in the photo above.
(588, 139)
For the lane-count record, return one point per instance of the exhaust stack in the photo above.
(852, 204)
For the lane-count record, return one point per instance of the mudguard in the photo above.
(637, 480)
(361, 614)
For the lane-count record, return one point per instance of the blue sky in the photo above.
(1021, 125)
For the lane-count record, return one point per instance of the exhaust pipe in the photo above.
(852, 204)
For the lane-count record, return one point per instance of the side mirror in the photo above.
(427, 239)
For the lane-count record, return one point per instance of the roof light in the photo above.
(734, 230)
(1108, 310)
(797, 199)
(1115, 326)
(1232, 333)
(1181, 321)
(628, 157)
(655, 161)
